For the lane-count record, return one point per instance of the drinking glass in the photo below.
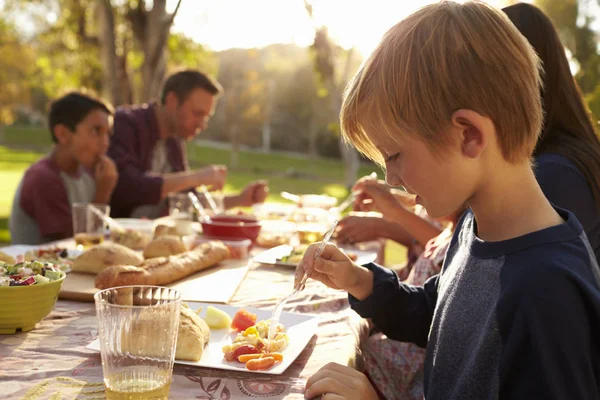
(88, 228)
(138, 333)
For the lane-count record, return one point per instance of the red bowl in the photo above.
(232, 226)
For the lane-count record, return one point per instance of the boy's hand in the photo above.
(105, 175)
(334, 269)
(213, 176)
(335, 381)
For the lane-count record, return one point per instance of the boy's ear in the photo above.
(62, 134)
(474, 131)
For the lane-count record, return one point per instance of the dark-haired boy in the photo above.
(76, 170)
(149, 149)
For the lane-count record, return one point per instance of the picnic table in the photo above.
(51, 361)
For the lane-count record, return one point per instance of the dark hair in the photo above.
(184, 82)
(71, 109)
(568, 128)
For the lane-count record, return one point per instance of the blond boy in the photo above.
(450, 102)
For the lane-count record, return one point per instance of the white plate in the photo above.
(273, 256)
(299, 327)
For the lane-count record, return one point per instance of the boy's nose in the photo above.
(393, 179)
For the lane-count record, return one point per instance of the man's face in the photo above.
(90, 139)
(190, 117)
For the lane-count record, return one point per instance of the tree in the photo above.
(114, 47)
(325, 55)
(15, 71)
(575, 28)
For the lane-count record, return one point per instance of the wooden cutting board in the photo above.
(214, 285)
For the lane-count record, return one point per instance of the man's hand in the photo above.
(254, 192)
(106, 176)
(213, 176)
(338, 382)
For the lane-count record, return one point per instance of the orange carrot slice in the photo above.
(260, 363)
(247, 357)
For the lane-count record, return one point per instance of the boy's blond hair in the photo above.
(443, 58)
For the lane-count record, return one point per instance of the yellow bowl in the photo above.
(22, 307)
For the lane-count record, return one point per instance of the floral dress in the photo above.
(396, 368)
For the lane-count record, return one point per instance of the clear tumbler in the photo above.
(138, 333)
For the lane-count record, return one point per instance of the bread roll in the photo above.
(192, 336)
(133, 239)
(164, 246)
(102, 256)
(5, 258)
(163, 230)
(164, 270)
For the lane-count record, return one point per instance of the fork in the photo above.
(279, 307)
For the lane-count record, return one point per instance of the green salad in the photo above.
(29, 273)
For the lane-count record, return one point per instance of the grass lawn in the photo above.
(292, 174)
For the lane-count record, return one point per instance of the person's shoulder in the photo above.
(133, 111)
(42, 172)
(548, 267)
(556, 165)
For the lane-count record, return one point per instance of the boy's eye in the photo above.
(393, 157)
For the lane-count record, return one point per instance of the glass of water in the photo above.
(138, 334)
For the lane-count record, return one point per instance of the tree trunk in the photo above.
(151, 30)
(266, 131)
(108, 53)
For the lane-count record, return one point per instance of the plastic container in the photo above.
(275, 233)
(239, 249)
(232, 226)
(24, 306)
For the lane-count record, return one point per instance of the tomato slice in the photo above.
(246, 349)
(243, 320)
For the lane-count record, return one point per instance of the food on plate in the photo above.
(5, 258)
(164, 246)
(29, 273)
(297, 253)
(164, 270)
(250, 346)
(192, 336)
(243, 320)
(58, 256)
(98, 258)
(164, 230)
(272, 239)
(131, 238)
(217, 319)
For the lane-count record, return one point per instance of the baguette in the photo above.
(164, 270)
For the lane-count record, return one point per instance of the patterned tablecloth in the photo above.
(51, 361)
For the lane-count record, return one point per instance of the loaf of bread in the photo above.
(164, 246)
(164, 270)
(102, 256)
(192, 336)
(6, 258)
